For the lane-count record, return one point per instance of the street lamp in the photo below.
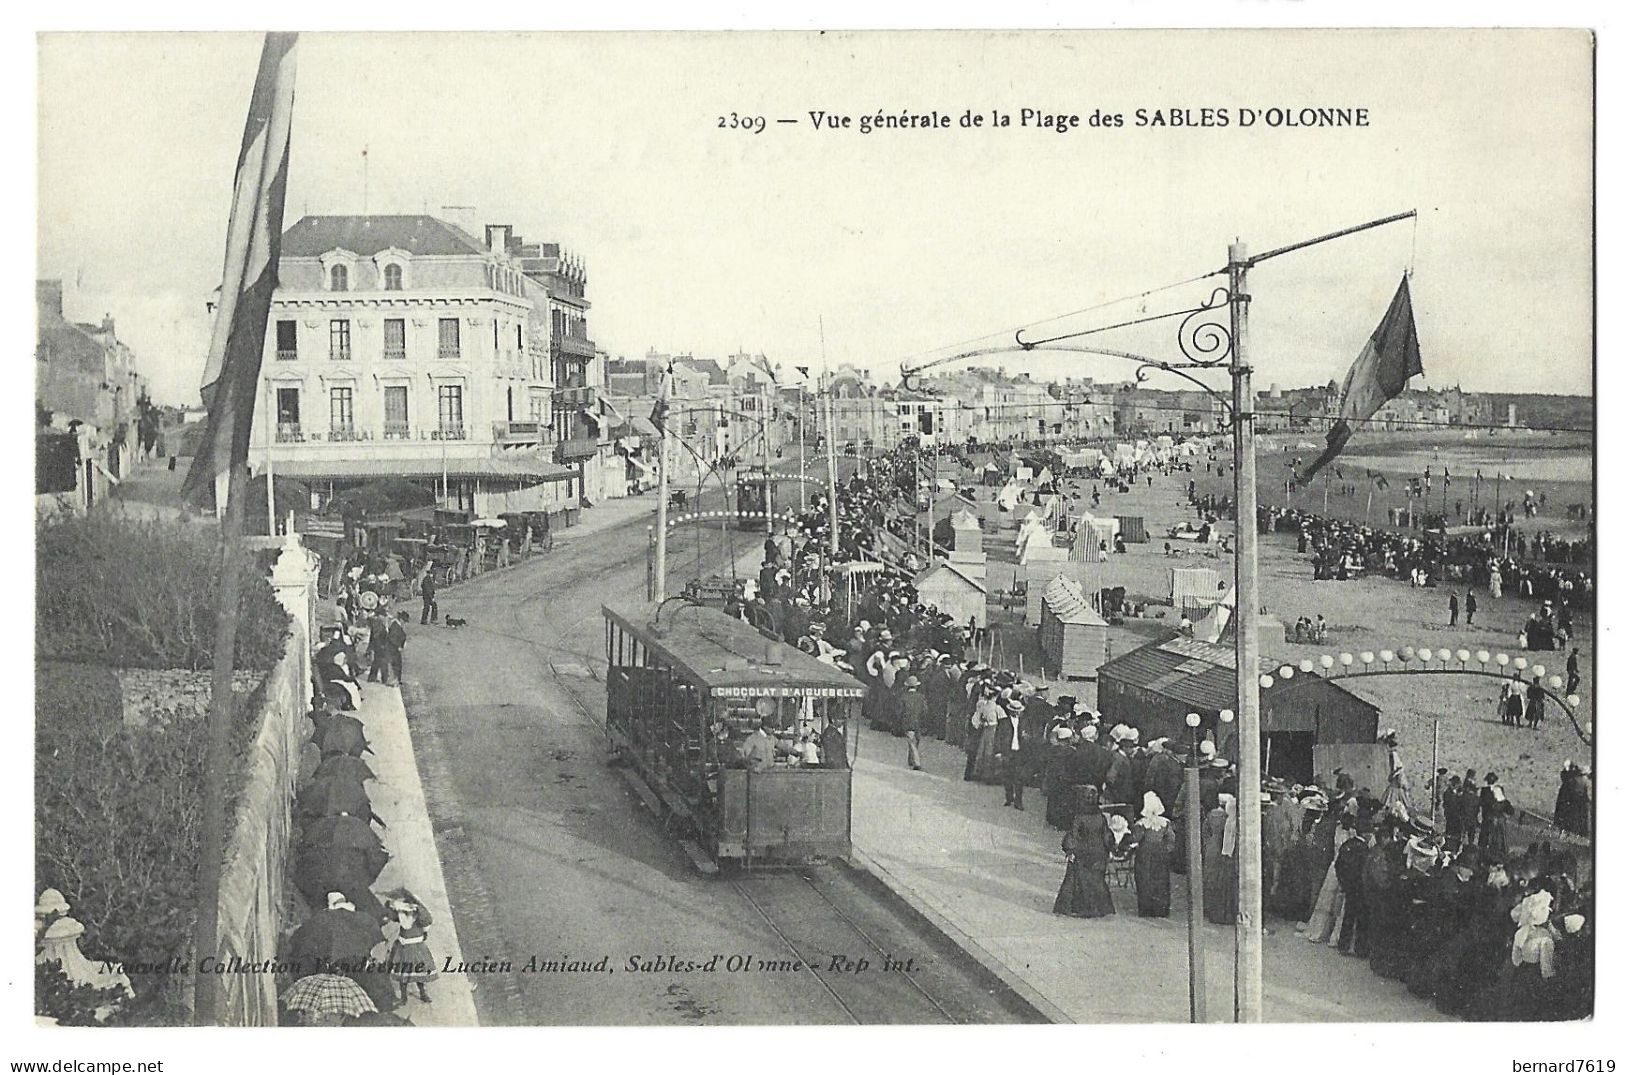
(1194, 912)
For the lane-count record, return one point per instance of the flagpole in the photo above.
(663, 489)
(217, 752)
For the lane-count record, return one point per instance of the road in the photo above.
(547, 855)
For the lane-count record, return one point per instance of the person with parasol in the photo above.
(410, 960)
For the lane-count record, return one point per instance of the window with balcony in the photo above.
(338, 278)
(394, 337)
(341, 412)
(287, 340)
(338, 340)
(451, 412)
(287, 415)
(392, 278)
(451, 344)
(397, 426)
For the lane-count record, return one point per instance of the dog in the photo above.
(456, 621)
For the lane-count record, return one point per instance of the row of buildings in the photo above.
(92, 415)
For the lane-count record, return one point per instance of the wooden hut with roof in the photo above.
(1073, 636)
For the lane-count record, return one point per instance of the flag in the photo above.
(253, 245)
(1377, 479)
(1389, 359)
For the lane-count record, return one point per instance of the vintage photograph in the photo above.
(636, 529)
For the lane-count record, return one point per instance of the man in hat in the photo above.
(1350, 866)
(912, 717)
(1162, 771)
(1011, 749)
(757, 750)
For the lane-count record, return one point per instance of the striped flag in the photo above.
(1388, 361)
(253, 246)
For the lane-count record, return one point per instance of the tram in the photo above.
(751, 498)
(684, 692)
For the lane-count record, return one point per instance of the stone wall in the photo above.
(167, 695)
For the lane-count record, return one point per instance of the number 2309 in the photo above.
(733, 121)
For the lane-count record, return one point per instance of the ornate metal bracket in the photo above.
(1204, 335)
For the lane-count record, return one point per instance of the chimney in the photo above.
(496, 237)
(48, 293)
(1275, 391)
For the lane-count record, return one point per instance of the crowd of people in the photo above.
(1483, 932)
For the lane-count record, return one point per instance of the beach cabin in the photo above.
(1193, 590)
(1042, 564)
(1090, 531)
(1071, 633)
(1132, 527)
(967, 531)
(1309, 724)
(954, 591)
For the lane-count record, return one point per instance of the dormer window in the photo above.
(392, 277)
(338, 278)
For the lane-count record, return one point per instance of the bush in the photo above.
(142, 595)
(118, 814)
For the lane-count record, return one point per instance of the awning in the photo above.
(513, 466)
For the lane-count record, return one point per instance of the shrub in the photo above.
(117, 814)
(142, 595)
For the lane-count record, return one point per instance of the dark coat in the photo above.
(1163, 776)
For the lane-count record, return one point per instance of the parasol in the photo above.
(335, 765)
(340, 733)
(337, 869)
(332, 937)
(335, 794)
(328, 994)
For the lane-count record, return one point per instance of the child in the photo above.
(410, 959)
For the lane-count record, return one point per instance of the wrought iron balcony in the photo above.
(339, 354)
(574, 347)
(286, 354)
(450, 352)
(394, 354)
(578, 398)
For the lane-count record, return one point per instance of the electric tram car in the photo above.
(751, 498)
(683, 693)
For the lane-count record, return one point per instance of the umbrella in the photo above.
(337, 869)
(328, 994)
(347, 830)
(332, 937)
(335, 794)
(343, 765)
(340, 733)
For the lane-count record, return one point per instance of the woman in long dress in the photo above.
(1327, 917)
(986, 719)
(1155, 847)
(1083, 891)
(1219, 896)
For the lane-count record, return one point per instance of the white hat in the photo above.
(1573, 923)
(1063, 733)
(1120, 731)
(1207, 749)
(1089, 732)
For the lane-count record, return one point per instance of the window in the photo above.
(392, 277)
(287, 339)
(519, 336)
(394, 337)
(287, 414)
(338, 340)
(451, 345)
(451, 411)
(339, 278)
(496, 338)
(396, 424)
(341, 410)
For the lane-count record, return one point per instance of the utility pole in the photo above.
(664, 485)
(1249, 847)
(829, 445)
(1194, 911)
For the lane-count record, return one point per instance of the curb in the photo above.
(962, 940)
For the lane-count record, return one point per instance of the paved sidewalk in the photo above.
(397, 796)
(987, 875)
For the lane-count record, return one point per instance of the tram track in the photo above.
(843, 927)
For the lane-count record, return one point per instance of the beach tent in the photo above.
(1071, 633)
(1089, 532)
(949, 587)
(1132, 527)
(1009, 496)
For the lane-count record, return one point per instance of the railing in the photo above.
(397, 431)
(575, 346)
(339, 354)
(394, 354)
(287, 354)
(449, 432)
(288, 433)
(451, 352)
(574, 397)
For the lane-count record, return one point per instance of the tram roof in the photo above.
(728, 656)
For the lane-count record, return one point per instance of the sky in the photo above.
(906, 244)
